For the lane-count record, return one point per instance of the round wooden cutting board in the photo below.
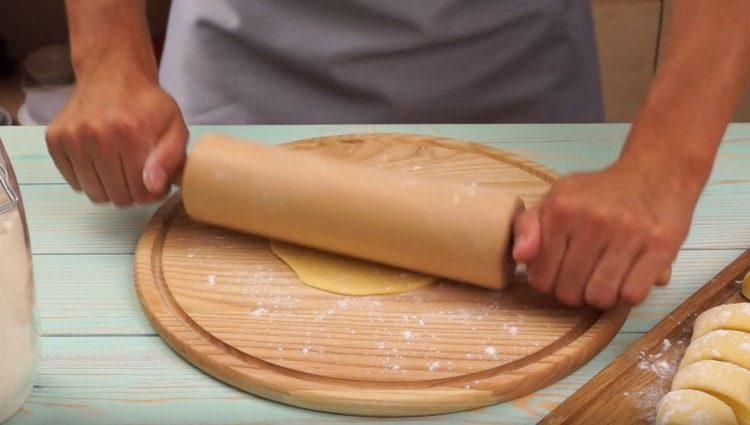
(227, 304)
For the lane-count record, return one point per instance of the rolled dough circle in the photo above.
(690, 407)
(345, 275)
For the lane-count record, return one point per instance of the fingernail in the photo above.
(154, 179)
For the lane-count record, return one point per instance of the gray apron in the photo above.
(382, 61)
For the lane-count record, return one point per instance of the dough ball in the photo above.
(724, 345)
(345, 275)
(726, 381)
(690, 407)
(727, 316)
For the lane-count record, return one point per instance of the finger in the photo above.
(85, 173)
(642, 276)
(526, 235)
(583, 253)
(62, 162)
(109, 169)
(607, 278)
(165, 159)
(133, 149)
(543, 269)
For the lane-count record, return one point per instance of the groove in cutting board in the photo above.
(227, 304)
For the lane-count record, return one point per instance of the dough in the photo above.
(726, 381)
(690, 407)
(725, 345)
(344, 275)
(727, 316)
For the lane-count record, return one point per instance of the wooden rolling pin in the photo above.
(457, 231)
(435, 227)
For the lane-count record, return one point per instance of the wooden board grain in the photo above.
(636, 380)
(228, 305)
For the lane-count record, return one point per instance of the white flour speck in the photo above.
(490, 350)
(305, 350)
(395, 367)
(211, 280)
(408, 335)
(512, 330)
(433, 365)
(665, 344)
(260, 311)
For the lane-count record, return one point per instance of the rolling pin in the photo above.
(458, 231)
(440, 228)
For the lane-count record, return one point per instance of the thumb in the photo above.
(526, 235)
(165, 160)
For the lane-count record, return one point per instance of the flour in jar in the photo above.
(18, 333)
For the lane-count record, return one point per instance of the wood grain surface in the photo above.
(229, 306)
(636, 380)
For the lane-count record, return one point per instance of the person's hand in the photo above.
(120, 139)
(604, 237)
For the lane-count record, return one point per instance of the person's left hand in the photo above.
(603, 237)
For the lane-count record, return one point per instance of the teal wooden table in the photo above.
(103, 364)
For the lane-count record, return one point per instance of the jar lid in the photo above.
(8, 197)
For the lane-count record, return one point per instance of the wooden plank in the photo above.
(564, 148)
(28, 151)
(88, 294)
(138, 380)
(627, 32)
(93, 294)
(742, 114)
(63, 222)
(638, 378)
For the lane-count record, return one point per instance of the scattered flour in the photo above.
(490, 350)
(260, 311)
(665, 344)
(211, 280)
(408, 335)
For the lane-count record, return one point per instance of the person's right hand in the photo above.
(119, 139)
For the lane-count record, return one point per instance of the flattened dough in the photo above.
(690, 407)
(344, 275)
(727, 316)
(724, 345)
(726, 381)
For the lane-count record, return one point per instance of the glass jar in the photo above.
(19, 337)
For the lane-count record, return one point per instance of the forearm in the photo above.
(697, 86)
(111, 35)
